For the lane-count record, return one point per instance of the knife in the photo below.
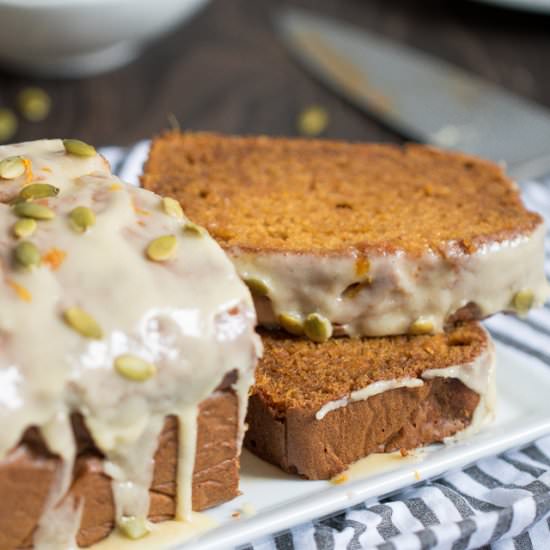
(420, 96)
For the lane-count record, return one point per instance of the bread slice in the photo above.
(317, 408)
(28, 473)
(377, 239)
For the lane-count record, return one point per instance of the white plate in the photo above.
(541, 6)
(281, 501)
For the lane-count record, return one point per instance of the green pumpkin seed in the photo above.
(193, 229)
(421, 326)
(83, 323)
(8, 125)
(172, 207)
(33, 210)
(38, 191)
(313, 120)
(34, 104)
(134, 368)
(12, 167)
(24, 228)
(257, 286)
(81, 218)
(79, 148)
(317, 328)
(523, 301)
(162, 248)
(27, 255)
(133, 528)
(291, 323)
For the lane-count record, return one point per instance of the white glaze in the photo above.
(478, 375)
(191, 316)
(402, 289)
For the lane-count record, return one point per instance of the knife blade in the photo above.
(420, 96)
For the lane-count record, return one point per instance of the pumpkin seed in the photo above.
(24, 228)
(81, 218)
(27, 255)
(193, 229)
(317, 328)
(421, 326)
(133, 528)
(313, 120)
(34, 103)
(523, 301)
(172, 207)
(83, 323)
(162, 248)
(291, 323)
(33, 210)
(79, 148)
(257, 286)
(12, 167)
(134, 368)
(38, 191)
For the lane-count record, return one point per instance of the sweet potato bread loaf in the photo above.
(119, 318)
(316, 408)
(370, 239)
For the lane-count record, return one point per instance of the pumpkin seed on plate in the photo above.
(81, 218)
(27, 255)
(172, 207)
(12, 167)
(162, 248)
(134, 368)
(38, 191)
(33, 210)
(317, 328)
(34, 103)
(291, 323)
(133, 528)
(83, 323)
(24, 228)
(79, 148)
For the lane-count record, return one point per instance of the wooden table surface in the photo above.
(228, 71)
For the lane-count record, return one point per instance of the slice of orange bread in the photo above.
(368, 239)
(316, 408)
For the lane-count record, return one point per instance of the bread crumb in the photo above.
(54, 257)
(339, 479)
(313, 120)
(417, 475)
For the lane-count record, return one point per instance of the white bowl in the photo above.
(70, 38)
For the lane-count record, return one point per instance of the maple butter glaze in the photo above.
(112, 307)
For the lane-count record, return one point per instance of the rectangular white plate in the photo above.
(281, 501)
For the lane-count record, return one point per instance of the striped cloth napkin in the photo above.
(502, 502)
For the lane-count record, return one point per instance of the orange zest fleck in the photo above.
(138, 210)
(115, 187)
(54, 257)
(20, 290)
(28, 170)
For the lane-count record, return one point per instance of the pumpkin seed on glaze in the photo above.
(27, 255)
(317, 328)
(38, 191)
(421, 326)
(33, 210)
(172, 207)
(523, 301)
(193, 229)
(81, 218)
(257, 286)
(162, 248)
(291, 323)
(133, 528)
(79, 148)
(12, 167)
(83, 323)
(134, 368)
(24, 228)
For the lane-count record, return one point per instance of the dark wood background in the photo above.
(227, 70)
